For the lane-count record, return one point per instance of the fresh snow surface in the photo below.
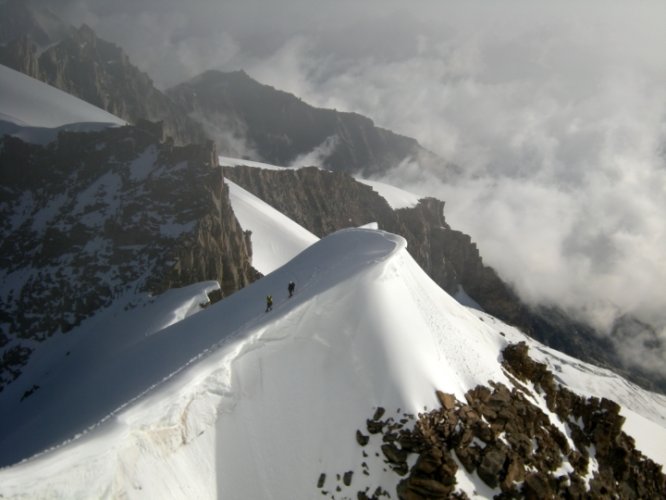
(276, 238)
(27, 102)
(226, 161)
(396, 197)
(237, 403)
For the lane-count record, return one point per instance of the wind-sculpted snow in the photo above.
(235, 402)
(29, 102)
(276, 239)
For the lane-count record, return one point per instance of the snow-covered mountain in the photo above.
(257, 120)
(276, 239)
(235, 402)
(371, 381)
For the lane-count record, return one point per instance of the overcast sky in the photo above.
(555, 110)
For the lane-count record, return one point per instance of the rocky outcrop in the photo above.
(279, 127)
(94, 216)
(501, 436)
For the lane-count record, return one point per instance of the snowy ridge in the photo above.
(226, 161)
(29, 102)
(276, 239)
(239, 403)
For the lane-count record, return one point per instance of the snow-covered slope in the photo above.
(237, 403)
(227, 161)
(276, 239)
(28, 106)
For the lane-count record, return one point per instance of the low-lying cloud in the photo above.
(559, 133)
(555, 113)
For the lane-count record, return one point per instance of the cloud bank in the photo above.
(554, 111)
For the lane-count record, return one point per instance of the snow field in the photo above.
(276, 239)
(300, 379)
(234, 403)
(27, 102)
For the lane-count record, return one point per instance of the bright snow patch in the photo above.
(226, 161)
(276, 238)
(27, 102)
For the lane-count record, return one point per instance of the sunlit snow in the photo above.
(276, 239)
(35, 111)
(234, 402)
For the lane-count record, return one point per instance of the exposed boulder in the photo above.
(500, 435)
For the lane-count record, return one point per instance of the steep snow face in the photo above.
(235, 402)
(276, 238)
(28, 102)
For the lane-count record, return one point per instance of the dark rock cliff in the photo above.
(100, 73)
(279, 127)
(94, 216)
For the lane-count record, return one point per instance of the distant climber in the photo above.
(269, 303)
(291, 288)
